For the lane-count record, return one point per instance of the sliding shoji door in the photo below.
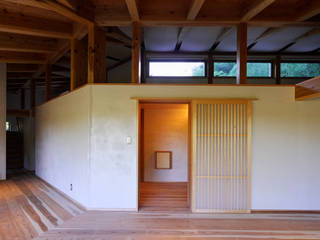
(221, 155)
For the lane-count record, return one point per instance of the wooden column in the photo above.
(3, 119)
(22, 98)
(277, 66)
(143, 64)
(136, 53)
(48, 81)
(242, 53)
(79, 63)
(210, 68)
(96, 55)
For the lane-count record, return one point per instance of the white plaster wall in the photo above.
(3, 114)
(285, 148)
(62, 143)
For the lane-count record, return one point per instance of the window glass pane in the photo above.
(254, 69)
(7, 126)
(258, 69)
(177, 69)
(225, 69)
(300, 69)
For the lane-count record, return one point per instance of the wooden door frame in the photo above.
(140, 145)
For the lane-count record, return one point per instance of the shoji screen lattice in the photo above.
(221, 155)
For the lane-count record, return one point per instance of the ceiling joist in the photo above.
(311, 10)
(62, 7)
(21, 57)
(133, 10)
(34, 26)
(257, 7)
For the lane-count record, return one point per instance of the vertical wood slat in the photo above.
(222, 156)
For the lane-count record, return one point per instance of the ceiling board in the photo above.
(278, 40)
(160, 38)
(200, 38)
(306, 45)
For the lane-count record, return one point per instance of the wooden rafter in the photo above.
(265, 34)
(312, 32)
(22, 43)
(192, 14)
(60, 8)
(133, 10)
(121, 62)
(311, 10)
(257, 7)
(222, 35)
(195, 9)
(27, 25)
(21, 57)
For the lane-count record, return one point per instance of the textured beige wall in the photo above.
(166, 129)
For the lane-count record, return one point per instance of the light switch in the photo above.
(129, 140)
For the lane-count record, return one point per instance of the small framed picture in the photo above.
(163, 159)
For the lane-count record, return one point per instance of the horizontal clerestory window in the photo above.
(303, 70)
(254, 69)
(177, 69)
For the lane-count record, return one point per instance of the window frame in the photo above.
(297, 61)
(249, 61)
(204, 61)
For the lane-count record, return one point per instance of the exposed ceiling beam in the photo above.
(192, 14)
(57, 6)
(22, 24)
(256, 7)
(195, 9)
(265, 34)
(311, 10)
(123, 61)
(22, 43)
(69, 3)
(117, 34)
(20, 57)
(312, 32)
(104, 21)
(21, 67)
(223, 34)
(133, 10)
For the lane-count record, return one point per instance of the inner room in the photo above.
(164, 156)
(137, 119)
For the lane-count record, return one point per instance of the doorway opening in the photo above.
(164, 156)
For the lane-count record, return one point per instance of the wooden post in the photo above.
(22, 98)
(136, 53)
(79, 63)
(96, 55)
(242, 53)
(3, 119)
(48, 81)
(210, 68)
(143, 64)
(278, 69)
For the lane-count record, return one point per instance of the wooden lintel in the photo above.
(242, 53)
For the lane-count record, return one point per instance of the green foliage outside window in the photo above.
(300, 69)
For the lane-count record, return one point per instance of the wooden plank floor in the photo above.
(163, 196)
(142, 226)
(29, 207)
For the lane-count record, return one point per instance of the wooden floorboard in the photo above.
(29, 207)
(163, 196)
(117, 225)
